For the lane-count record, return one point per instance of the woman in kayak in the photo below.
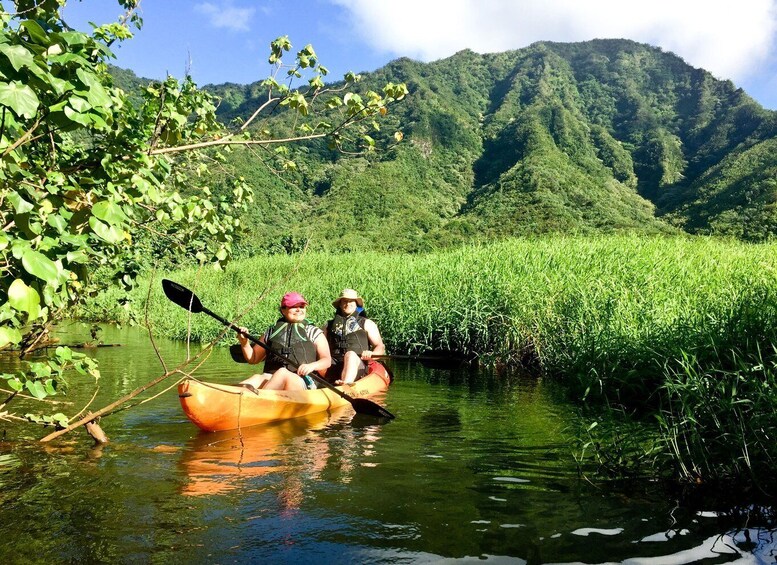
(353, 338)
(292, 337)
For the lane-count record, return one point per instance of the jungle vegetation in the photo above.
(598, 136)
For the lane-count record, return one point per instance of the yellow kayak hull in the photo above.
(215, 407)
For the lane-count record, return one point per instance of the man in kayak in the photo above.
(353, 338)
(292, 337)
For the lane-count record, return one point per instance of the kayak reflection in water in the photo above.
(283, 457)
(293, 337)
(353, 339)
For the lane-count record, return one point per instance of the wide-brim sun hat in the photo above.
(349, 294)
(292, 299)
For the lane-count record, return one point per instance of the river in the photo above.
(477, 467)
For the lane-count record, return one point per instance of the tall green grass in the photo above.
(633, 320)
(594, 310)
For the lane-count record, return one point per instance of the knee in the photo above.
(350, 357)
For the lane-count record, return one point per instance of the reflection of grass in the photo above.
(680, 324)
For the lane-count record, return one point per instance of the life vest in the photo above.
(347, 333)
(289, 340)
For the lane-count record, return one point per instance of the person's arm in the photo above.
(251, 352)
(373, 335)
(324, 360)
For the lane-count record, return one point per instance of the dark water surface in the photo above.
(476, 467)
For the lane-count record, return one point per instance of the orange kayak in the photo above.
(214, 407)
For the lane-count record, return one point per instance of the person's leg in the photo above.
(333, 373)
(283, 379)
(256, 381)
(351, 365)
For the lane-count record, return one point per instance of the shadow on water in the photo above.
(476, 466)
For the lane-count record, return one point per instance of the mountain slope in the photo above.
(599, 135)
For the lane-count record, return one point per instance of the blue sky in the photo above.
(227, 40)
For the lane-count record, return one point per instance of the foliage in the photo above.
(93, 186)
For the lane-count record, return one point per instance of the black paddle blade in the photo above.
(182, 296)
(237, 353)
(370, 408)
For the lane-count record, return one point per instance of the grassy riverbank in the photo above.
(677, 327)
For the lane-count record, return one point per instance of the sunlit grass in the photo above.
(659, 324)
(592, 309)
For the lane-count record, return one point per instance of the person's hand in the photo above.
(305, 369)
(241, 336)
(366, 355)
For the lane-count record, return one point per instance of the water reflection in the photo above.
(216, 463)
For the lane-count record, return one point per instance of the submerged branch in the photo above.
(110, 407)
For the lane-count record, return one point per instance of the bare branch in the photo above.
(226, 141)
(27, 136)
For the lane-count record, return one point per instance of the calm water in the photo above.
(476, 467)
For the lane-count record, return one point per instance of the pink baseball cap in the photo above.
(292, 299)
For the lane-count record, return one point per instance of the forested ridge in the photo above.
(600, 135)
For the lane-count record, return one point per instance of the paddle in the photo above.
(186, 299)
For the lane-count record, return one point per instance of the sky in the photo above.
(219, 41)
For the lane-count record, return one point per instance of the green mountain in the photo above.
(600, 135)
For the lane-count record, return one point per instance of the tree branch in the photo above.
(24, 138)
(226, 141)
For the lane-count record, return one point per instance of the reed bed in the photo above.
(595, 310)
(649, 323)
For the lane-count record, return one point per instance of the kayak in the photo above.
(215, 407)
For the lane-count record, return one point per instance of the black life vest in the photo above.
(289, 340)
(347, 333)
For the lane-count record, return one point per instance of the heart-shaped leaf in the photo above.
(24, 298)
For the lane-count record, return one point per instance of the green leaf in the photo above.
(49, 386)
(36, 32)
(64, 353)
(77, 257)
(77, 117)
(95, 92)
(9, 335)
(60, 419)
(15, 384)
(111, 234)
(20, 205)
(57, 222)
(36, 389)
(109, 212)
(79, 104)
(24, 298)
(18, 56)
(39, 265)
(20, 98)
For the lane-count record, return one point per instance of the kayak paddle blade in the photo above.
(182, 296)
(370, 408)
(237, 353)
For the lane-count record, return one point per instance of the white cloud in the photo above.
(730, 39)
(226, 15)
